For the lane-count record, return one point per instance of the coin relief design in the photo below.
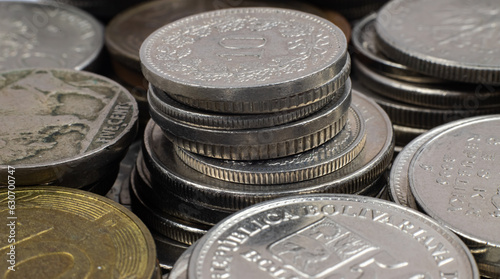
(64, 114)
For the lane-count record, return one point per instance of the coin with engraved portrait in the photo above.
(58, 124)
(68, 233)
(451, 39)
(45, 34)
(330, 236)
(246, 60)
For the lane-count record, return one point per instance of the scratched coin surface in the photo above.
(330, 236)
(43, 34)
(57, 123)
(69, 233)
(458, 40)
(244, 55)
(454, 178)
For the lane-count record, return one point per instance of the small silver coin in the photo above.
(45, 34)
(245, 56)
(330, 236)
(451, 39)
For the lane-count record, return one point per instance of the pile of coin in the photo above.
(327, 236)
(451, 174)
(425, 73)
(64, 127)
(249, 105)
(44, 34)
(57, 232)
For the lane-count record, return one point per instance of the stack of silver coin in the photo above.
(249, 105)
(430, 62)
(451, 173)
(44, 34)
(327, 236)
(64, 127)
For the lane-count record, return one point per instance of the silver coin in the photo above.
(166, 105)
(398, 178)
(450, 39)
(244, 56)
(330, 236)
(168, 250)
(440, 96)
(454, 179)
(366, 50)
(319, 161)
(60, 124)
(171, 176)
(258, 144)
(179, 271)
(43, 34)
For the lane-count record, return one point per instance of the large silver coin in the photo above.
(330, 236)
(43, 34)
(322, 160)
(60, 126)
(454, 178)
(244, 58)
(450, 39)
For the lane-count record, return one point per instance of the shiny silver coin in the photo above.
(454, 178)
(330, 236)
(258, 144)
(61, 126)
(440, 96)
(449, 39)
(366, 50)
(44, 34)
(244, 58)
(319, 161)
(164, 104)
(170, 176)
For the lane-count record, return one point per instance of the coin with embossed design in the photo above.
(43, 34)
(454, 179)
(245, 60)
(68, 233)
(330, 236)
(458, 40)
(58, 124)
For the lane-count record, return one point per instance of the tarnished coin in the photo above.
(454, 178)
(258, 144)
(245, 60)
(59, 125)
(44, 34)
(68, 233)
(170, 176)
(322, 160)
(330, 236)
(458, 40)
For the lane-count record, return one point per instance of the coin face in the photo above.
(461, 37)
(56, 120)
(43, 34)
(69, 233)
(244, 54)
(330, 236)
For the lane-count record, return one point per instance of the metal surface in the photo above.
(284, 53)
(63, 126)
(330, 236)
(44, 34)
(458, 40)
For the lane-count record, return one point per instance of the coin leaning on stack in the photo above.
(249, 105)
(425, 75)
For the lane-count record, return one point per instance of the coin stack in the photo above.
(327, 236)
(44, 34)
(425, 73)
(248, 105)
(64, 127)
(451, 174)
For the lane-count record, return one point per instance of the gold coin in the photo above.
(68, 233)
